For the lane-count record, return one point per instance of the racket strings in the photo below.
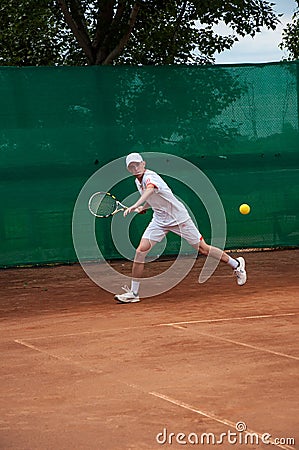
(103, 204)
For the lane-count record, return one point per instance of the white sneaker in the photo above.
(128, 297)
(240, 272)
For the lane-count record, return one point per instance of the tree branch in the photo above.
(77, 27)
(119, 11)
(170, 57)
(104, 22)
(122, 43)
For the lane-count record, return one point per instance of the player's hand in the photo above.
(140, 210)
(130, 209)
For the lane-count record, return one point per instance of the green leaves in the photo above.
(29, 35)
(290, 37)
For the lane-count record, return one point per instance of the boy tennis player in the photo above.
(169, 215)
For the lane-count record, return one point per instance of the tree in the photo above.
(134, 32)
(27, 36)
(290, 37)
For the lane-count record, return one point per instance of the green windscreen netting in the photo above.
(238, 124)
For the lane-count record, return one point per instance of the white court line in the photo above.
(214, 417)
(59, 358)
(225, 319)
(261, 349)
(37, 349)
(178, 327)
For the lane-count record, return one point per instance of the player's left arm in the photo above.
(143, 198)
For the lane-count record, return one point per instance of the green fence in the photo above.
(238, 124)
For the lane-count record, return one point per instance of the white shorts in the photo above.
(187, 230)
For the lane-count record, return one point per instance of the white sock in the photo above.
(135, 286)
(232, 262)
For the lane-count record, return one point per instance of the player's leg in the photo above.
(206, 249)
(153, 234)
(189, 231)
(131, 295)
(138, 265)
(238, 264)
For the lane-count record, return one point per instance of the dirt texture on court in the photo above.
(80, 371)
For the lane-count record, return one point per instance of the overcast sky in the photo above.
(264, 47)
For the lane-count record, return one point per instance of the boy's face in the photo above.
(136, 168)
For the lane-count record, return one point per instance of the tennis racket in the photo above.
(104, 204)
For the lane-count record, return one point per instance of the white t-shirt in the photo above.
(168, 210)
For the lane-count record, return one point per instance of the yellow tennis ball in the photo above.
(244, 208)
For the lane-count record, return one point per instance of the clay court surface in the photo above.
(80, 371)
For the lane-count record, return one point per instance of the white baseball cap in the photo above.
(133, 157)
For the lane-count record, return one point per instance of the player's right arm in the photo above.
(146, 194)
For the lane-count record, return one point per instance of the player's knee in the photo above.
(140, 254)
